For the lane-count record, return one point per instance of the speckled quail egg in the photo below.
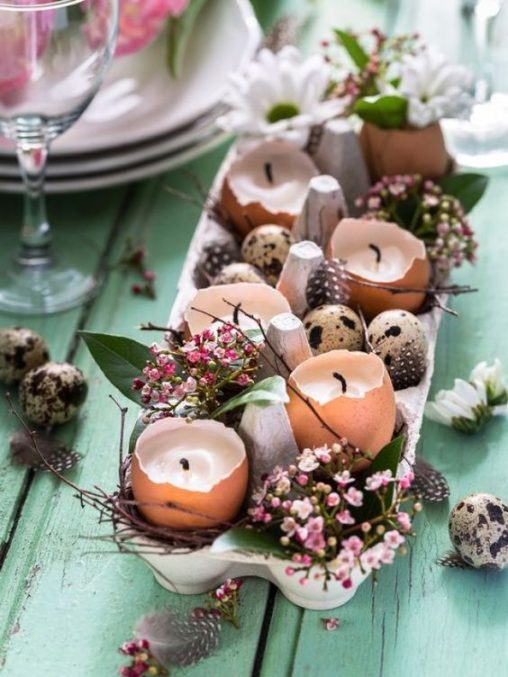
(239, 272)
(333, 327)
(400, 340)
(20, 350)
(478, 529)
(217, 255)
(267, 248)
(52, 393)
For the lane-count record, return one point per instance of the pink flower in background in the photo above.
(141, 21)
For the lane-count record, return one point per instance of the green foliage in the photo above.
(384, 111)
(268, 391)
(248, 540)
(356, 52)
(178, 35)
(468, 188)
(121, 359)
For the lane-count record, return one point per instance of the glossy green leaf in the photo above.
(387, 459)
(387, 112)
(356, 52)
(138, 428)
(178, 35)
(268, 391)
(121, 359)
(468, 188)
(247, 540)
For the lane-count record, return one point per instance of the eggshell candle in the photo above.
(199, 466)
(383, 253)
(256, 299)
(267, 185)
(352, 392)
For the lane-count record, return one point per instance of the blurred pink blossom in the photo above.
(142, 20)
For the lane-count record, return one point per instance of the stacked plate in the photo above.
(143, 121)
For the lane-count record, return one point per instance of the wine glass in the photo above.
(53, 57)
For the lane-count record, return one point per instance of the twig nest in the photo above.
(267, 248)
(21, 349)
(239, 272)
(52, 394)
(267, 185)
(478, 529)
(400, 340)
(333, 327)
(381, 260)
(215, 256)
(327, 285)
(350, 393)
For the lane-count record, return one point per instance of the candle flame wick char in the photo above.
(268, 172)
(342, 380)
(377, 251)
(185, 464)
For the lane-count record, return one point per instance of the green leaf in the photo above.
(467, 188)
(138, 428)
(121, 359)
(387, 459)
(248, 540)
(266, 392)
(387, 112)
(356, 52)
(178, 35)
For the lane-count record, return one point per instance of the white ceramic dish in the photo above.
(140, 101)
(126, 174)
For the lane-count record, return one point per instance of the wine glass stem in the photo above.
(36, 238)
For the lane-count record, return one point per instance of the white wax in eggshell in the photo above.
(274, 174)
(375, 250)
(392, 265)
(210, 458)
(315, 377)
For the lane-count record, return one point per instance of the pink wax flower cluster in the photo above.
(319, 510)
(422, 207)
(193, 378)
(143, 662)
(141, 21)
(223, 602)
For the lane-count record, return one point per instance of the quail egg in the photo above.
(332, 327)
(21, 349)
(478, 529)
(267, 248)
(52, 393)
(400, 340)
(239, 272)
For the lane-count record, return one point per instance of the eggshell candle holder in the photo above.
(351, 392)
(267, 185)
(202, 570)
(199, 467)
(382, 253)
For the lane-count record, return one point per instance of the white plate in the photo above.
(140, 100)
(126, 174)
(118, 158)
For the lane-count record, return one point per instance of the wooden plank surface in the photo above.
(64, 608)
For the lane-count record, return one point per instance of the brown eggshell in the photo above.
(351, 233)
(405, 151)
(367, 422)
(199, 509)
(251, 199)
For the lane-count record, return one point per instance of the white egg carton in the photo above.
(263, 431)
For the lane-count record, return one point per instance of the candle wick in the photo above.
(185, 464)
(377, 251)
(268, 172)
(342, 380)
(236, 313)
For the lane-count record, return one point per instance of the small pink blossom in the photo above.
(406, 480)
(343, 478)
(332, 499)
(354, 497)
(378, 480)
(315, 542)
(315, 524)
(354, 544)
(288, 526)
(394, 538)
(344, 517)
(302, 508)
(404, 520)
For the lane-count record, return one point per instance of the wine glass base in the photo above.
(68, 282)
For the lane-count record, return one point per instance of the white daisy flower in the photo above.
(465, 407)
(281, 96)
(492, 378)
(434, 88)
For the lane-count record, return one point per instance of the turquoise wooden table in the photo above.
(67, 602)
